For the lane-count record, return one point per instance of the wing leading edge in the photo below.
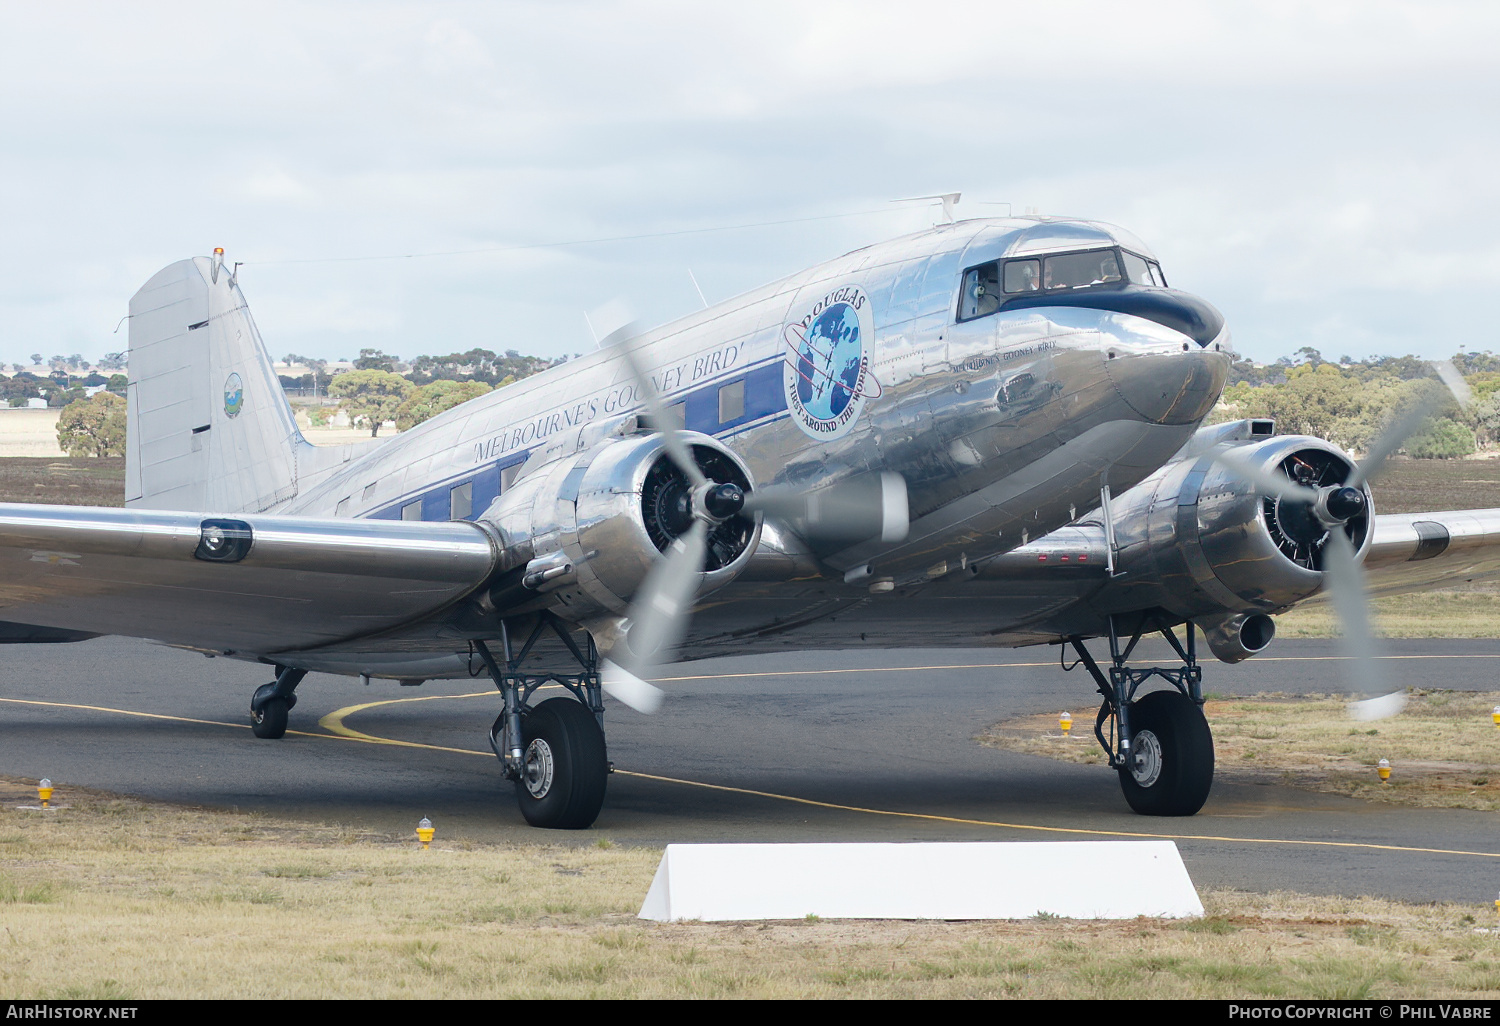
(304, 582)
(1415, 551)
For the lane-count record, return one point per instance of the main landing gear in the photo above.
(1159, 743)
(272, 702)
(555, 750)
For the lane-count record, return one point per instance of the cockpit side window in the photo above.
(1142, 271)
(1080, 270)
(981, 291)
(1023, 276)
(1137, 270)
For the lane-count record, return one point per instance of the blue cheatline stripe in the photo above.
(764, 401)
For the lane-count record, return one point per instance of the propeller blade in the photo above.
(1382, 708)
(859, 508)
(1391, 439)
(1264, 479)
(625, 687)
(659, 614)
(1347, 589)
(1455, 381)
(1407, 423)
(671, 435)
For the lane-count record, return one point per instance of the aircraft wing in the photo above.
(298, 582)
(1416, 551)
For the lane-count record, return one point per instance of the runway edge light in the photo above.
(44, 791)
(1496, 716)
(425, 832)
(1383, 767)
(1065, 721)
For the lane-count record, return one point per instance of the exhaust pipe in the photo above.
(1238, 637)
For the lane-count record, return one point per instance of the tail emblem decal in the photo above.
(234, 395)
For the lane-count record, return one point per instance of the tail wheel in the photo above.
(1170, 768)
(269, 721)
(565, 766)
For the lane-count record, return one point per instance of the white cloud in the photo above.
(1315, 171)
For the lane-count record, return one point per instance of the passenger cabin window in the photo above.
(731, 401)
(412, 511)
(461, 501)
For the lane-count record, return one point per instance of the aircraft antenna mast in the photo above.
(948, 199)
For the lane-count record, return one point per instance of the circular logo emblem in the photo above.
(827, 376)
(234, 395)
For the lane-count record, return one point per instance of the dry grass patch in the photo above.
(1444, 749)
(63, 480)
(1471, 612)
(118, 898)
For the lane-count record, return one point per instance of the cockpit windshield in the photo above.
(1080, 270)
(988, 286)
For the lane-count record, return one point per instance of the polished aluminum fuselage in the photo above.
(1116, 392)
(989, 465)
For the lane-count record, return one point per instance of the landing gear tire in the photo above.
(269, 721)
(565, 766)
(1170, 768)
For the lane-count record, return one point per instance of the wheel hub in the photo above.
(1145, 758)
(540, 766)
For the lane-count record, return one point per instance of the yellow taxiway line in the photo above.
(338, 731)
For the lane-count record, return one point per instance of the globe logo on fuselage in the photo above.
(827, 375)
(234, 395)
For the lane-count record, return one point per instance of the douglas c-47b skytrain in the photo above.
(987, 433)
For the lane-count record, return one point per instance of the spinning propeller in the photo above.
(1332, 507)
(659, 614)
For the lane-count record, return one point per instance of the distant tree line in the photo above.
(382, 387)
(1351, 401)
(1348, 402)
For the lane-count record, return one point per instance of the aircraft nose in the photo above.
(1191, 315)
(1168, 385)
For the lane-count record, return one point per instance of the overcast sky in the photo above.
(1324, 173)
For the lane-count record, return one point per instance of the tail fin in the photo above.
(209, 428)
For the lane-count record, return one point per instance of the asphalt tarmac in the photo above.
(831, 746)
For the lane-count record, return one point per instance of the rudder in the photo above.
(209, 428)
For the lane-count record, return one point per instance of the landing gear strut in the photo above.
(554, 752)
(1159, 744)
(272, 702)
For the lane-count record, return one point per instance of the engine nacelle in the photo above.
(1198, 540)
(588, 528)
